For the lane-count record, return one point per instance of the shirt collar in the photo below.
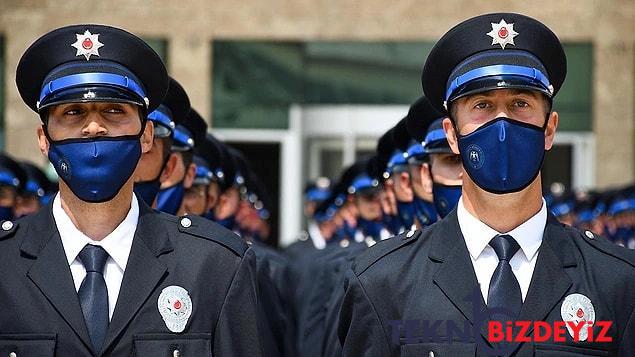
(477, 234)
(117, 244)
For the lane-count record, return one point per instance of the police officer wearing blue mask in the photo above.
(188, 133)
(432, 162)
(97, 272)
(158, 164)
(36, 190)
(12, 184)
(500, 257)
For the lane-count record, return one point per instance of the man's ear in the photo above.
(147, 138)
(43, 142)
(404, 182)
(190, 175)
(450, 134)
(169, 167)
(426, 178)
(550, 131)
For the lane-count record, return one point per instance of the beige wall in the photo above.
(190, 26)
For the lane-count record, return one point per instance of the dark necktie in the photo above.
(93, 294)
(504, 290)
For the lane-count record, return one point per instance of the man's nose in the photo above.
(94, 126)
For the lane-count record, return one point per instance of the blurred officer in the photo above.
(500, 257)
(157, 165)
(434, 164)
(12, 183)
(397, 170)
(187, 135)
(36, 189)
(98, 273)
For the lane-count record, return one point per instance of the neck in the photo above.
(96, 220)
(503, 212)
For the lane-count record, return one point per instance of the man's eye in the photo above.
(114, 110)
(481, 105)
(522, 104)
(72, 112)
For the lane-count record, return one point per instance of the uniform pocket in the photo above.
(439, 349)
(173, 345)
(545, 350)
(23, 345)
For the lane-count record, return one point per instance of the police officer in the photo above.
(189, 132)
(36, 190)
(500, 257)
(97, 272)
(433, 164)
(158, 164)
(12, 183)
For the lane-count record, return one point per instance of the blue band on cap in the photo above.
(182, 139)
(162, 119)
(203, 172)
(562, 209)
(317, 194)
(435, 135)
(416, 150)
(496, 70)
(622, 206)
(33, 187)
(396, 160)
(9, 179)
(362, 182)
(80, 79)
(586, 216)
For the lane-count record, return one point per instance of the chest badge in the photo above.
(578, 308)
(175, 306)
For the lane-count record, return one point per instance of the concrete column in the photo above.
(613, 111)
(189, 61)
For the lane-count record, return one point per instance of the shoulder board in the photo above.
(604, 245)
(383, 248)
(7, 229)
(204, 228)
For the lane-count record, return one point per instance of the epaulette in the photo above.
(204, 228)
(383, 248)
(7, 230)
(604, 245)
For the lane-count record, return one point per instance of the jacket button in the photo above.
(430, 354)
(186, 222)
(176, 353)
(409, 235)
(588, 234)
(13, 354)
(7, 225)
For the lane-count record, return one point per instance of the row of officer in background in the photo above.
(102, 273)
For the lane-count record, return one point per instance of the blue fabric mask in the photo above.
(349, 231)
(147, 190)
(392, 223)
(169, 199)
(6, 213)
(370, 228)
(406, 212)
(425, 212)
(446, 197)
(229, 222)
(503, 155)
(95, 169)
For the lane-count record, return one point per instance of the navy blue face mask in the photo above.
(148, 190)
(446, 197)
(425, 212)
(95, 169)
(169, 199)
(229, 222)
(6, 213)
(349, 230)
(503, 155)
(370, 228)
(406, 212)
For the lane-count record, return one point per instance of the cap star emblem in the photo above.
(502, 33)
(87, 44)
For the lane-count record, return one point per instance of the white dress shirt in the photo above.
(478, 235)
(117, 244)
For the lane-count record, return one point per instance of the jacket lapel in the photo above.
(455, 276)
(144, 270)
(50, 271)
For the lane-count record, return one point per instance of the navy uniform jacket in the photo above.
(429, 276)
(42, 315)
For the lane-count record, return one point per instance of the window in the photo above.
(160, 46)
